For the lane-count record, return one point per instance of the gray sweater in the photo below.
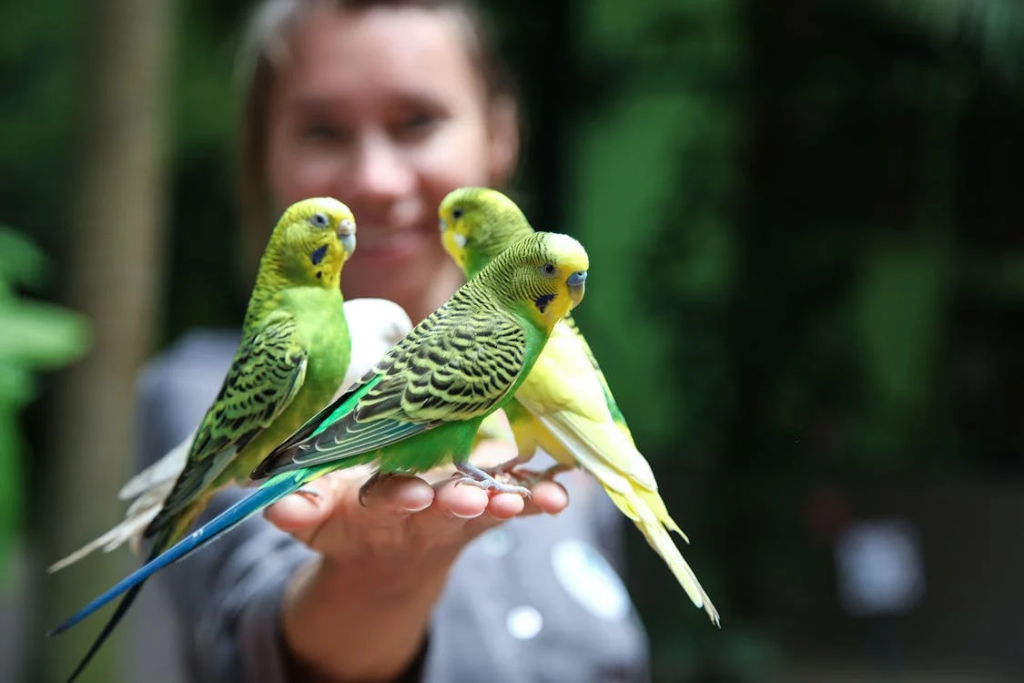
(532, 600)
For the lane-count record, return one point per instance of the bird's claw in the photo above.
(483, 479)
(530, 478)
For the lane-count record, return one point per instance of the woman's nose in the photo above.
(380, 171)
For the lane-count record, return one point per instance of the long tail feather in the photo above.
(269, 493)
(126, 530)
(161, 474)
(136, 519)
(108, 628)
(150, 489)
(654, 529)
(636, 494)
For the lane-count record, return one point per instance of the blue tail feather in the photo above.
(108, 628)
(270, 492)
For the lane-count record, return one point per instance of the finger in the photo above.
(396, 496)
(549, 497)
(456, 516)
(505, 505)
(299, 512)
(376, 526)
(459, 500)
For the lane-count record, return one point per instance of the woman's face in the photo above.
(383, 110)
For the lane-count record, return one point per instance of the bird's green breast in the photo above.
(322, 331)
(536, 338)
(321, 326)
(475, 262)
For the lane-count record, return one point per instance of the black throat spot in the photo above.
(543, 300)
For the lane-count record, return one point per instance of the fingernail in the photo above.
(415, 500)
(452, 513)
(309, 494)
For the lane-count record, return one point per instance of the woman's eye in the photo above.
(420, 120)
(416, 125)
(324, 132)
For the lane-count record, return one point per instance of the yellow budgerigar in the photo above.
(565, 405)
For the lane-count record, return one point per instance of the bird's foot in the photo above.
(474, 476)
(530, 478)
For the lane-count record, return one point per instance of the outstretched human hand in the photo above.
(361, 610)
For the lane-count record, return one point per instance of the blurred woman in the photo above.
(387, 106)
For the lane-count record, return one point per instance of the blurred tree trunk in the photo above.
(112, 274)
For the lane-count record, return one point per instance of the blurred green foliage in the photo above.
(804, 218)
(993, 29)
(34, 336)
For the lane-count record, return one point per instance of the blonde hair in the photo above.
(264, 49)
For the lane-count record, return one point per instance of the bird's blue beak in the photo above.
(442, 224)
(347, 236)
(577, 279)
(577, 284)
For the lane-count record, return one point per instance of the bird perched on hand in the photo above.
(375, 325)
(565, 405)
(421, 405)
(294, 352)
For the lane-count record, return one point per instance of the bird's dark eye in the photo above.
(549, 269)
(456, 213)
(319, 220)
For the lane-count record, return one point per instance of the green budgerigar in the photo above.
(421, 405)
(375, 325)
(565, 405)
(293, 354)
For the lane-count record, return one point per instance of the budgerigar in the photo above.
(375, 325)
(565, 405)
(293, 354)
(422, 404)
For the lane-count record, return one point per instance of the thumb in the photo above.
(302, 512)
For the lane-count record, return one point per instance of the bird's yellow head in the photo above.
(543, 274)
(477, 224)
(311, 242)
